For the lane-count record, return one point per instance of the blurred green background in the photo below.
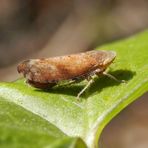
(44, 28)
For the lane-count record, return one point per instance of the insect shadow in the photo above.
(99, 83)
(104, 81)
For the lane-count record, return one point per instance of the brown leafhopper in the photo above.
(47, 72)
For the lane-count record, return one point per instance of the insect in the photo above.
(47, 72)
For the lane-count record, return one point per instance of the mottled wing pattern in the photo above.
(55, 69)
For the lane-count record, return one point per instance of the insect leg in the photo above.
(68, 83)
(88, 84)
(71, 82)
(112, 77)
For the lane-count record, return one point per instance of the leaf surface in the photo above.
(31, 117)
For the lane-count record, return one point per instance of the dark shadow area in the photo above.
(105, 81)
(71, 90)
(98, 85)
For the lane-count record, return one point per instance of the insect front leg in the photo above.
(112, 77)
(100, 72)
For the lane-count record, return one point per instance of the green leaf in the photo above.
(35, 118)
(20, 128)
